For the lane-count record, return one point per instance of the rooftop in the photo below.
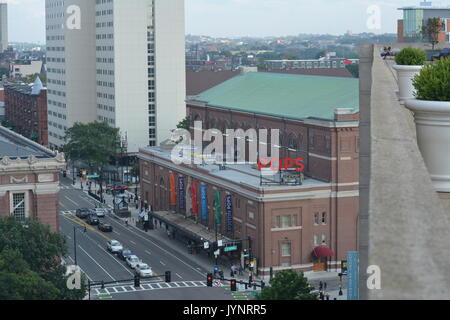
(27, 88)
(242, 174)
(284, 95)
(13, 145)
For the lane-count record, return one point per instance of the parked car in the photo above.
(143, 270)
(82, 213)
(114, 246)
(100, 212)
(92, 219)
(443, 54)
(124, 253)
(105, 227)
(132, 261)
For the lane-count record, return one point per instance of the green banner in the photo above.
(218, 208)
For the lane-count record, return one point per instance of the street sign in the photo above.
(216, 268)
(353, 275)
(217, 252)
(220, 243)
(231, 248)
(206, 245)
(94, 176)
(217, 283)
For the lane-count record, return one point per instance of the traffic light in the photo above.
(168, 276)
(190, 251)
(209, 279)
(233, 285)
(137, 281)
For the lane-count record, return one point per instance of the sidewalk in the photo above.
(159, 233)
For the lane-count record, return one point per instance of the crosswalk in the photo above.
(147, 287)
(68, 212)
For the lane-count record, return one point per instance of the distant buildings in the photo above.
(23, 69)
(3, 27)
(26, 110)
(415, 17)
(125, 66)
(285, 223)
(29, 180)
(324, 63)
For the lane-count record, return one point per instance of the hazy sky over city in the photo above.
(246, 17)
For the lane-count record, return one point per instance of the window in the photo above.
(286, 222)
(277, 222)
(19, 206)
(285, 249)
(316, 240)
(251, 215)
(324, 237)
(316, 218)
(294, 220)
(324, 218)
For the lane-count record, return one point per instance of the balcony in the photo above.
(404, 224)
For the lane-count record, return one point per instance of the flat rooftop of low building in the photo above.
(284, 95)
(13, 145)
(243, 174)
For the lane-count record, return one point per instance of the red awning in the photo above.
(323, 252)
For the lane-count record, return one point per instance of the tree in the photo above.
(4, 71)
(30, 267)
(287, 285)
(431, 31)
(95, 143)
(184, 124)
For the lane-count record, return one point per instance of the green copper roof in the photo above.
(285, 95)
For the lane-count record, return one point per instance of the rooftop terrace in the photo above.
(404, 225)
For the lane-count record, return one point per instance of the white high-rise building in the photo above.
(139, 66)
(3, 26)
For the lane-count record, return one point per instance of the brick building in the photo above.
(26, 110)
(29, 179)
(304, 226)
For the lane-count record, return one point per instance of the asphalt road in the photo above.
(98, 264)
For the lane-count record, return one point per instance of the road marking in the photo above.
(162, 263)
(179, 276)
(116, 233)
(71, 201)
(88, 227)
(97, 263)
(112, 256)
(132, 242)
(162, 249)
(148, 252)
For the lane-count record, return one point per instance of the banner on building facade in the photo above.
(173, 193)
(204, 197)
(194, 199)
(218, 208)
(181, 193)
(229, 210)
(352, 275)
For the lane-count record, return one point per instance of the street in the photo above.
(188, 277)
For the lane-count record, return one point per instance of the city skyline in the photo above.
(211, 18)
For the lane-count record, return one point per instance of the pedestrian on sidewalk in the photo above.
(324, 286)
(126, 222)
(241, 270)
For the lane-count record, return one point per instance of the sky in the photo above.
(256, 18)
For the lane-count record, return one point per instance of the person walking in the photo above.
(241, 270)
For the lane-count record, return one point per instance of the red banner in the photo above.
(194, 198)
(173, 194)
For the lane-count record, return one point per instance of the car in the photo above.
(132, 261)
(143, 270)
(100, 212)
(82, 213)
(114, 246)
(92, 219)
(105, 227)
(124, 253)
(443, 54)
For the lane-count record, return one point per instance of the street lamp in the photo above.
(75, 241)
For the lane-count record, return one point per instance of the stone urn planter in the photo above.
(432, 117)
(409, 62)
(432, 120)
(405, 76)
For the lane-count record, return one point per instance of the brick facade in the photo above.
(27, 112)
(331, 153)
